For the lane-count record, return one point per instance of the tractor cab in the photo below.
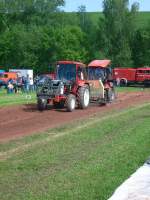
(100, 69)
(101, 81)
(70, 71)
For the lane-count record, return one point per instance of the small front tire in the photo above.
(84, 97)
(41, 104)
(71, 102)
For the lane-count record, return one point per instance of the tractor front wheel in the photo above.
(41, 104)
(84, 97)
(70, 102)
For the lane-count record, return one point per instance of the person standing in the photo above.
(10, 88)
(31, 87)
(27, 83)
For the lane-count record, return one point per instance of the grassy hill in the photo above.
(143, 18)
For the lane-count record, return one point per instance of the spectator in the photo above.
(10, 81)
(35, 82)
(31, 87)
(27, 83)
(19, 84)
(23, 84)
(10, 88)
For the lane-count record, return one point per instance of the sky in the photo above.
(96, 5)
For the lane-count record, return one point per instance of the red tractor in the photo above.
(70, 88)
(74, 86)
(100, 79)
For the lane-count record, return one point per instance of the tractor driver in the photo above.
(80, 73)
(109, 76)
(99, 74)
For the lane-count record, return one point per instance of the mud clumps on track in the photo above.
(18, 121)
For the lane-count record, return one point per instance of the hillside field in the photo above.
(143, 18)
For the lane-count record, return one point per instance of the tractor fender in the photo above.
(84, 85)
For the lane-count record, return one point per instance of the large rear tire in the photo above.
(84, 97)
(41, 104)
(71, 102)
(110, 95)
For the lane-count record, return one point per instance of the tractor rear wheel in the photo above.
(70, 102)
(84, 97)
(110, 95)
(41, 104)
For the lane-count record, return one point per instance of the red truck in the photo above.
(127, 76)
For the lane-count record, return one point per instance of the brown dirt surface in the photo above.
(22, 120)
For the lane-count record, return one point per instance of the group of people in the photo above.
(21, 84)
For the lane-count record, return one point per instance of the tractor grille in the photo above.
(50, 89)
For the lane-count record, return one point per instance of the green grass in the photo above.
(131, 89)
(143, 19)
(15, 99)
(84, 161)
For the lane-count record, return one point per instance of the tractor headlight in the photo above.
(61, 89)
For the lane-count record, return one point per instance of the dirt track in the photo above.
(17, 121)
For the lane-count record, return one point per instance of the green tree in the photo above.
(116, 30)
(70, 43)
(141, 47)
(90, 31)
(30, 11)
(12, 6)
(28, 33)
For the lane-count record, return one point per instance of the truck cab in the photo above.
(143, 76)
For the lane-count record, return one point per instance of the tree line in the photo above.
(35, 34)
